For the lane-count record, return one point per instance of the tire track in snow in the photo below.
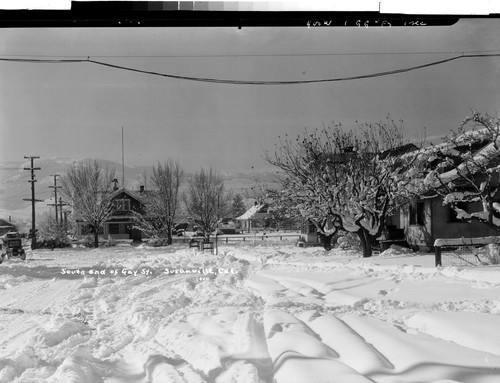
(157, 306)
(300, 356)
(356, 349)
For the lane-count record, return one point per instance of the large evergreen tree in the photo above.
(238, 206)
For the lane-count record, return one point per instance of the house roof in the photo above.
(252, 211)
(134, 195)
(4, 223)
(485, 154)
(400, 150)
(7, 222)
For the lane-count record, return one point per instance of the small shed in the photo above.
(258, 212)
(309, 232)
(7, 226)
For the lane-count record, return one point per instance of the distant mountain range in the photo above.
(14, 185)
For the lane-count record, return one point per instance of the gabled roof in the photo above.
(7, 223)
(254, 210)
(131, 194)
(483, 151)
(400, 150)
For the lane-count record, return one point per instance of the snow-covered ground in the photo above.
(265, 313)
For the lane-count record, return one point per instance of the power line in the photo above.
(237, 55)
(247, 82)
(14, 180)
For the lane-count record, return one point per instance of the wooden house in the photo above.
(6, 226)
(427, 218)
(254, 217)
(120, 223)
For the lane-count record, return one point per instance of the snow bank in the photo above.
(461, 328)
(299, 356)
(286, 314)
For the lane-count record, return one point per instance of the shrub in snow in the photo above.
(88, 241)
(493, 253)
(51, 233)
(349, 241)
(395, 250)
(110, 241)
(157, 242)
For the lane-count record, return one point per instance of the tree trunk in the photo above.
(96, 238)
(327, 240)
(169, 237)
(366, 243)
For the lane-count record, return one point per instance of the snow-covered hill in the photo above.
(14, 185)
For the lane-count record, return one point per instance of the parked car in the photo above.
(12, 246)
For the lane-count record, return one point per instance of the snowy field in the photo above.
(252, 314)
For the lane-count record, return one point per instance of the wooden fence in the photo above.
(228, 238)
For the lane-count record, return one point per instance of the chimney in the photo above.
(141, 188)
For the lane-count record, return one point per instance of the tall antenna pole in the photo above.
(123, 162)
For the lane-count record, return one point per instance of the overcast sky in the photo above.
(77, 110)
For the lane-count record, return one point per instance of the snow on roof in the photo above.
(132, 194)
(7, 223)
(251, 212)
(483, 156)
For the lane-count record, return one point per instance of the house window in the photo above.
(417, 213)
(452, 214)
(86, 229)
(114, 228)
(122, 204)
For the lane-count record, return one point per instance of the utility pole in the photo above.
(33, 200)
(55, 187)
(217, 226)
(61, 204)
(66, 219)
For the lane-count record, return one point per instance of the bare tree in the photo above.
(349, 180)
(161, 204)
(206, 200)
(88, 186)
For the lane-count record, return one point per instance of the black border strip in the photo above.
(157, 14)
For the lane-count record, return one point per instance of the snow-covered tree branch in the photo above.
(349, 180)
(89, 187)
(206, 200)
(464, 170)
(161, 204)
